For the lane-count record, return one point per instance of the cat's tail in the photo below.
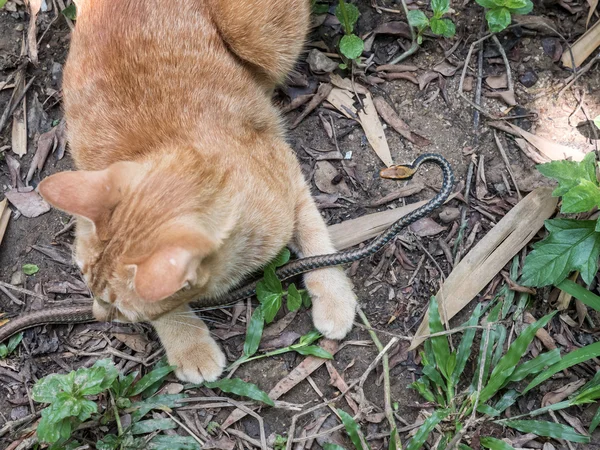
(269, 34)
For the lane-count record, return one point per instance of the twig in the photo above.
(9, 426)
(189, 430)
(244, 436)
(505, 158)
(12, 105)
(425, 336)
(506, 63)
(478, 86)
(576, 76)
(23, 291)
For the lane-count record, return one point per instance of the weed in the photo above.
(438, 25)
(30, 269)
(498, 12)
(7, 349)
(351, 45)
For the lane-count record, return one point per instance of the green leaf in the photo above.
(152, 425)
(524, 10)
(155, 376)
(351, 46)
(495, 444)
(436, 379)
(294, 299)
(421, 387)
(487, 4)
(498, 19)
(88, 408)
(509, 361)
(439, 344)
(70, 12)
(254, 332)
(442, 27)
(330, 446)
(13, 342)
(271, 282)
(111, 373)
(157, 402)
(271, 306)
(570, 359)
(416, 443)
(47, 431)
(162, 442)
(548, 429)
(310, 337)
(570, 173)
(306, 301)
(2, 3)
(108, 442)
(581, 198)
(501, 338)
(348, 15)
(240, 387)
(464, 348)
(571, 245)
(352, 429)
(535, 365)
(30, 269)
(440, 7)
(282, 258)
(417, 19)
(580, 293)
(595, 421)
(597, 123)
(508, 399)
(515, 4)
(314, 350)
(393, 445)
(320, 8)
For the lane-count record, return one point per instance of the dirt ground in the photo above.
(392, 293)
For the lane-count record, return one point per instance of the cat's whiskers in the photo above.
(191, 325)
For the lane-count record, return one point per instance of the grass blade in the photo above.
(580, 293)
(573, 358)
(254, 332)
(240, 387)
(150, 379)
(439, 344)
(500, 339)
(548, 429)
(508, 362)
(152, 425)
(595, 421)
(464, 348)
(495, 444)
(352, 429)
(424, 430)
(535, 365)
(393, 445)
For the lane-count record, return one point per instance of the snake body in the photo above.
(83, 313)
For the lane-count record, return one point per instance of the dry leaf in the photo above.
(53, 253)
(223, 443)
(401, 76)
(541, 334)
(541, 24)
(30, 204)
(374, 130)
(298, 374)
(14, 170)
(561, 393)
(405, 191)
(481, 190)
(530, 151)
(445, 68)
(61, 139)
(548, 148)
(4, 218)
(395, 28)
(426, 227)
(507, 97)
(426, 78)
(322, 93)
(285, 339)
(46, 144)
(345, 83)
(325, 176)
(593, 5)
(343, 102)
(583, 47)
(19, 132)
(491, 254)
(34, 9)
(337, 381)
(388, 114)
(319, 62)
(135, 342)
(581, 311)
(497, 81)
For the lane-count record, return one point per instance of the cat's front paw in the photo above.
(334, 302)
(198, 361)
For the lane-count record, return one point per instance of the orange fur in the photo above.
(185, 183)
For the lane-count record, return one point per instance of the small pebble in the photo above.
(449, 214)
(529, 78)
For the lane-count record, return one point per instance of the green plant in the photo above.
(492, 390)
(597, 122)
(318, 7)
(438, 25)
(351, 45)
(280, 442)
(30, 269)
(70, 12)
(101, 395)
(498, 12)
(7, 349)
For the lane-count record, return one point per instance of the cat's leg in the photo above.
(269, 34)
(189, 346)
(334, 302)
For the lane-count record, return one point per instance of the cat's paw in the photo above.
(199, 361)
(334, 301)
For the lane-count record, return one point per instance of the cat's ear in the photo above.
(171, 267)
(89, 194)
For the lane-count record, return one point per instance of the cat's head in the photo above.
(138, 241)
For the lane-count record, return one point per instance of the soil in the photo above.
(394, 299)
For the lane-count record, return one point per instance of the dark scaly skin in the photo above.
(83, 314)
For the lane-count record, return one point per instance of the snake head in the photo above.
(397, 172)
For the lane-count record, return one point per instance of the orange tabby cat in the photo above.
(185, 183)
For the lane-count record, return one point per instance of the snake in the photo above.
(83, 313)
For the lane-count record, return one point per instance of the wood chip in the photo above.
(19, 131)
(491, 254)
(4, 218)
(497, 81)
(34, 9)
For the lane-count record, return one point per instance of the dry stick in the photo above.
(186, 428)
(389, 413)
(506, 63)
(463, 214)
(9, 426)
(478, 86)
(505, 158)
(12, 105)
(425, 336)
(23, 291)
(576, 76)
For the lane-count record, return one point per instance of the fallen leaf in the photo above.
(335, 379)
(405, 191)
(345, 83)
(19, 131)
(561, 393)
(30, 204)
(426, 78)
(325, 178)
(583, 47)
(481, 190)
(388, 114)
(445, 68)
(426, 227)
(374, 130)
(46, 144)
(343, 101)
(276, 328)
(298, 374)
(497, 81)
(530, 151)
(285, 339)
(14, 170)
(541, 334)
(593, 5)
(66, 287)
(4, 218)
(222, 443)
(396, 68)
(507, 97)
(575, 422)
(401, 76)
(548, 148)
(135, 342)
(448, 214)
(54, 254)
(315, 101)
(61, 139)
(395, 28)
(34, 8)
(541, 24)
(553, 47)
